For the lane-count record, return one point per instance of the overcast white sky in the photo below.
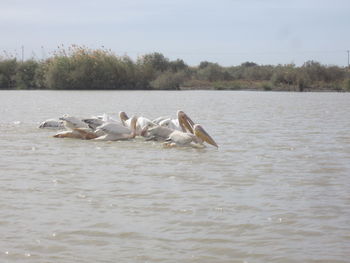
(228, 32)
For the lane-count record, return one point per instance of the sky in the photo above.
(228, 32)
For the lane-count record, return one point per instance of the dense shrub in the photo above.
(156, 61)
(90, 69)
(169, 80)
(7, 73)
(25, 74)
(212, 72)
(346, 85)
(178, 65)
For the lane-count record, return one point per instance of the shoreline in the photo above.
(318, 90)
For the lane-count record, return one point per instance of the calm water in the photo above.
(277, 189)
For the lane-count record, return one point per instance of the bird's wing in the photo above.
(181, 138)
(51, 123)
(93, 122)
(159, 119)
(85, 133)
(73, 122)
(113, 128)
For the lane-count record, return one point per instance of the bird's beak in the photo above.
(144, 131)
(133, 126)
(202, 134)
(185, 122)
(123, 117)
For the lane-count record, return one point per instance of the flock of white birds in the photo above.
(181, 131)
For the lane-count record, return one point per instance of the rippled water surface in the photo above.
(276, 190)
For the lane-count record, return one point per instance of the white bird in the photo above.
(157, 133)
(114, 131)
(142, 123)
(163, 132)
(72, 124)
(197, 139)
(191, 134)
(159, 119)
(93, 122)
(175, 123)
(109, 131)
(171, 123)
(52, 124)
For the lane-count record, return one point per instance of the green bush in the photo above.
(7, 73)
(156, 60)
(57, 74)
(90, 69)
(212, 72)
(169, 80)
(25, 77)
(346, 85)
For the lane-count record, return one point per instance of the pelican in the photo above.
(123, 117)
(195, 139)
(191, 134)
(52, 124)
(160, 119)
(175, 123)
(142, 123)
(170, 123)
(163, 132)
(114, 131)
(157, 133)
(93, 123)
(72, 124)
(109, 131)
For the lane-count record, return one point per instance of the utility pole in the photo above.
(348, 58)
(22, 53)
(43, 54)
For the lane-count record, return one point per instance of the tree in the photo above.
(26, 74)
(177, 65)
(249, 64)
(7, 73)
(169, 80)
(212, 72)
(156, 60)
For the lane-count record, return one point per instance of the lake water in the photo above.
(276, 190)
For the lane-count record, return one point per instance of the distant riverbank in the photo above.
(80, 68)
(264, 86)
